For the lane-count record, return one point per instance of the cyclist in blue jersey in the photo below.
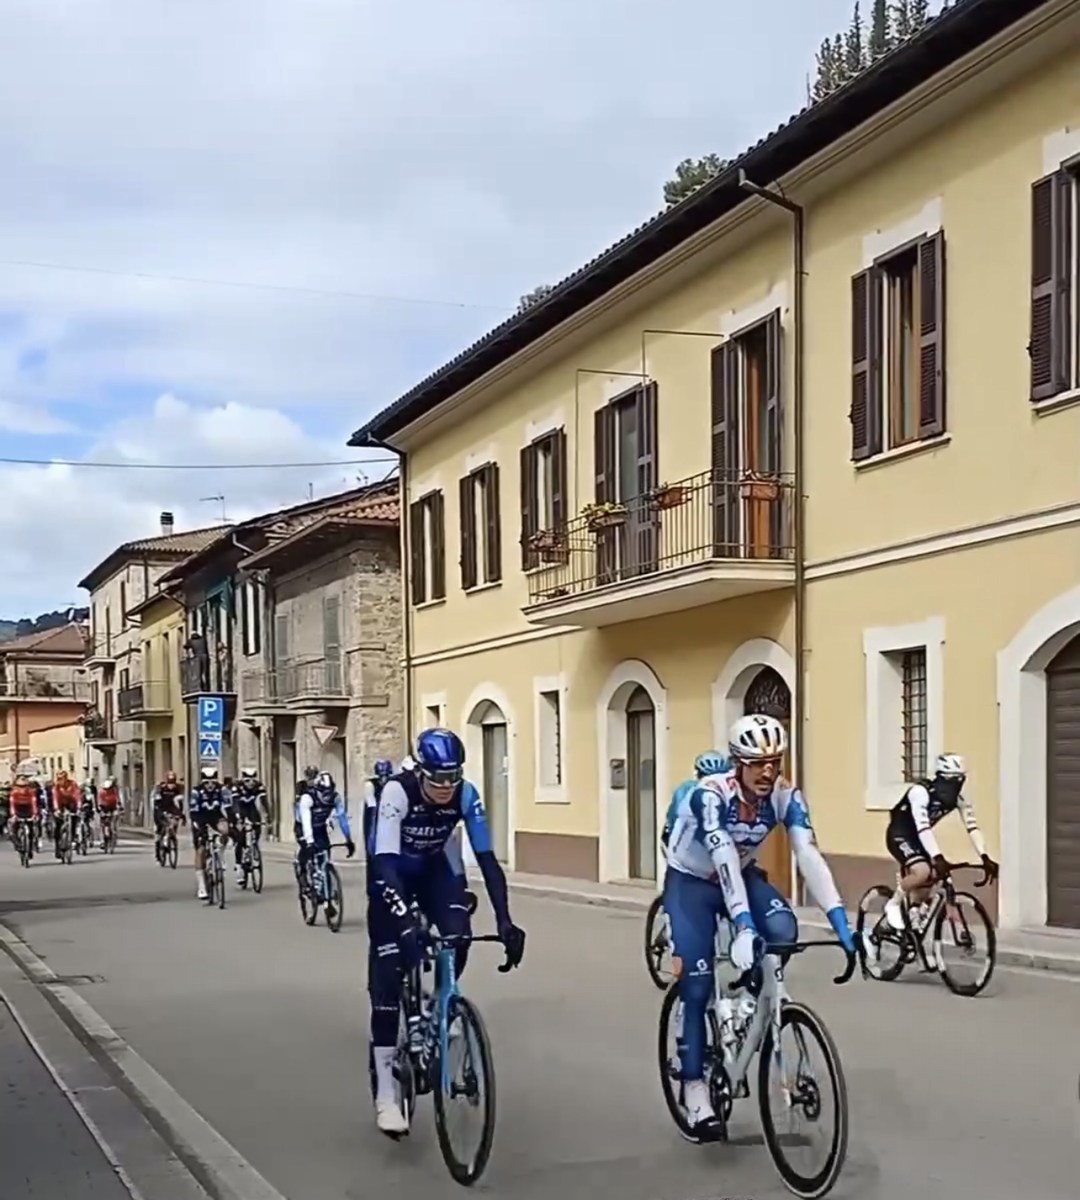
(718, 830)
(381, 772)
(711, 762)
(413, 857)
(320, 805)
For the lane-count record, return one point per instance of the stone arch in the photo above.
(739, 672)
(611, 728)
(1021, 694)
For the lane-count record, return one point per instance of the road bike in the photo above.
(251, 863)
(22, 837)
(658, 944)
(436, 1023)
(83, 835)
(167, 848)
(215, 869)
(320, 886)
(65, 837)
(731, 1041)
(945, 907)
(108, 832)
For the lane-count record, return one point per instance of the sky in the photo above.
(230, 230)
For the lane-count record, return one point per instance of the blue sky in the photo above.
(429, 163)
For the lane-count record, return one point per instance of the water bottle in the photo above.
(744, 1014)
(416, 1033)
(725, 1013)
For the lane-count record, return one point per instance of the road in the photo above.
(259, 1023)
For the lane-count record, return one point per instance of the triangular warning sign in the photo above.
(324, 733)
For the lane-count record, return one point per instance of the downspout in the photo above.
(798, 214)
(406, 579)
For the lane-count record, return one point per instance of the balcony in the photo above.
(313, 684)
(98, 730)
(699, 541)
(259, 693)
(101, 652)
(206, 677)
(143, 700)
(37, 687)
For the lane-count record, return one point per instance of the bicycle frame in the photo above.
(943, 894)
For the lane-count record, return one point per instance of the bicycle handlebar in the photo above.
(855, 958)
(987, 874)
(457, 939)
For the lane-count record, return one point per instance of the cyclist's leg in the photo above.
(384, 991)
(199, 832)
(773, 916)
(904, 845)
(693, 905)
(441, 896)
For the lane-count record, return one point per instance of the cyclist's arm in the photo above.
(971, 824)
(710, 809)
(919, 799)
(479, 834)
(341, 817)
(811, 862)
(386, 853)
(303, 815)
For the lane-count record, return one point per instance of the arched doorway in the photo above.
(490, 722)
(641, 784)
(770, 695)
(1063, 788)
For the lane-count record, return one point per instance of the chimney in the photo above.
(166, 524)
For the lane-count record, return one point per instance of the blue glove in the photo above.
(838, 920)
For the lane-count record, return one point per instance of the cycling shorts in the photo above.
(902, 841)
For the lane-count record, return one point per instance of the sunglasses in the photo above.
(447, 778)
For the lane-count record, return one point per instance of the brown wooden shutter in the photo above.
(530, 516)
(645, 517)
(865, 414)
(492, 525)
(774, 374)
(606, 489)
(1050, 347)
(438, 547)
(559, 498)
(417, 556)
(725, 451)
(932, 337)
(467, 513)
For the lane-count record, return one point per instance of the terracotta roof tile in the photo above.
(64, 639)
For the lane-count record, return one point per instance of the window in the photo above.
(543, 501)
(549, 744)
(624, 455)
(433, 716)
(427, 547)
(1054, 348)
(898, 349)
(251, 606)
(481, 535)
(281, 639)
(904, 706)
(123, 604)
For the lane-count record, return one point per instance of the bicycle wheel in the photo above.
(965, 939)
(658, 944)
(671, 1083)
(219, 880)
(334, 899)
(67, 849)
(172, 851)
(804, 1092)
(256, 869)
(476, 1086)
(309, 896)
(875, 930)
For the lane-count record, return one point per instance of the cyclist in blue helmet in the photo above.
(414, 856)
(380, 773)
(709, 762)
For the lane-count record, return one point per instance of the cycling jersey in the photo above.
(681, 792)
(316, 811)
(169, 797)
(923, 805)
(210, 805)
(24, 801)
(108, 800)
(67, 796)
(717, 834)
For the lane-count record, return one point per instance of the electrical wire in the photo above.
(147, 466)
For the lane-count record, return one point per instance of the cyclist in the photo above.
(168, 802)
(86, 810)
(711, 762)
(910, 840)
(109, 806)
(210, 807)
(415, 821)
(67, 799)
(718, 831)
(44, 811)
(381, 772)
(25, 801)
(320, 806)
(251, 806)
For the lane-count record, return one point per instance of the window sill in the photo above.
(551, 795)
(429, 604)
(908, 451)
(1053, 404)
(483, 587)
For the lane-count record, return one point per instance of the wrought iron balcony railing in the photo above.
(710, 518)
(142, 699)
(36, 687)
(208, 676)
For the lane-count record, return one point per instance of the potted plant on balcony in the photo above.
(669, 495)
(759, 487)
(549, 545)
(606, 515)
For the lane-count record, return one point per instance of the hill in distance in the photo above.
(51, 620)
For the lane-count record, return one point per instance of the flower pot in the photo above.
(671, 497)
(760, 489)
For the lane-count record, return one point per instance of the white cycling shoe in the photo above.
(389, 1118)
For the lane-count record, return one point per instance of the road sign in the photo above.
(208, 748)
(211, 717)
(324, 733)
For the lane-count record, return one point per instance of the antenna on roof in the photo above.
(311, 491)
(220, 500)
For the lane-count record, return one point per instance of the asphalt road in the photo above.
(260, 1023)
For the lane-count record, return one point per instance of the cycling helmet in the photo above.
(757, 737)
(384, 768)
(712, 762)
(208, 774)
(440, 756)
(109, 783)
(324, 781)
(248, 773)
(950, 766)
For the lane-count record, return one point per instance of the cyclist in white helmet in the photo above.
(910, 839)
(717, 833)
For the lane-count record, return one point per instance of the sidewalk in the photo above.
(1039, 949)
(46, 1152)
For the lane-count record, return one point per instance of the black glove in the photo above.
(410, 948)
(941, 866)
(513, 939)
(350, 848)
(990, 867)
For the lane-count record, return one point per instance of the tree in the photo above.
(691, 174)
(535, 296)
(880, 30)
(902, 27)
(854, 45)
(827, 80)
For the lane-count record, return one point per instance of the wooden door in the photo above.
(1063, 789)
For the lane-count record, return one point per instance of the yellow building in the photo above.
(59, 748)
(155, 700)
(805, 497)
